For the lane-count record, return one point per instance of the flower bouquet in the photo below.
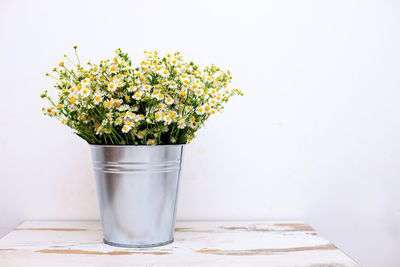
(162, 100)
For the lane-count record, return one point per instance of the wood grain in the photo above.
(196, 243)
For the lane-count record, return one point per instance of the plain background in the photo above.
(315, 138)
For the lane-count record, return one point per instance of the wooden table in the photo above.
(196, 243)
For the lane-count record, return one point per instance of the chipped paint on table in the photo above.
(196, 243)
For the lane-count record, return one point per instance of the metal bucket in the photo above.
(137, 188)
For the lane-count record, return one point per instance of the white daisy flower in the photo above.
(113, 69)
(167, 120)
(86, 82)
(125, 129)
(112, 87)
(174, 61)
(123, 108)
(181, 124)
(200, 111)
(129, 124)
(130, 115)
(95, 69)
(159, 116)
(169, 100)
(146, 87)
(158, 70)
(212, 102)
(164, 73)
(118, 121)
(159, 96)
(85, 92)
(160, 106)
(97, 98)
(138, 95)
(188, 108)
(199, 92)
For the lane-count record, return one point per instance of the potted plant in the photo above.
(137, 120)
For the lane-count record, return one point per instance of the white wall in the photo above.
(315, 138)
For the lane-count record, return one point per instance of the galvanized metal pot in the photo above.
(137, 188)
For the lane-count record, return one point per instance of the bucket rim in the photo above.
(111, 146)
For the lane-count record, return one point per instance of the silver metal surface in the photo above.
(137, 189)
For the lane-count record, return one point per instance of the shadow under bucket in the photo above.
(137, 189)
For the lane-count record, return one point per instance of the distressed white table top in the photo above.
(196, 243)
